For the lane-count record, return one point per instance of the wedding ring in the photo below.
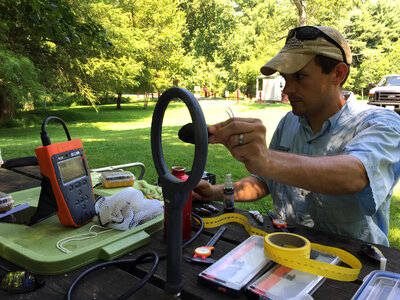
(240, 138)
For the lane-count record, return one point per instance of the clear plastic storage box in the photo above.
(112, 179)
(231, 273)
(6, 202)
(379, 285)
(281, 283)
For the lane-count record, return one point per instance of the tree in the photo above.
(19, 83)
(267, 22)
(209, 23)
(161, 24)
(118, 70)
(56, 36)
(99, 47)
(301, 7)
(373, 31)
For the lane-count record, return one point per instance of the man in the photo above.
(332, 164)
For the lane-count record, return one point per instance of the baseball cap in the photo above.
(303, 44)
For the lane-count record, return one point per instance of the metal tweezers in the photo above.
(230, 113)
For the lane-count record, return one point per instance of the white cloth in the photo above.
(126, 209)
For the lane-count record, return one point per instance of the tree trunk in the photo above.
(119, 100)
(146, 101)
(301, 7)
(5, 111)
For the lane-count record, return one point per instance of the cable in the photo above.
(43, 134)
(144, 258)
(141, 283)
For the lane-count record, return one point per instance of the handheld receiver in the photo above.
(66, 177)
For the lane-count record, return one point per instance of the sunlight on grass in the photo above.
(120, 126)
(394, 225)
(96, 140)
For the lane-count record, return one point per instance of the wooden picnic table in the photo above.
(112, 282)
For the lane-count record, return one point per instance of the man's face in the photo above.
(308, 90)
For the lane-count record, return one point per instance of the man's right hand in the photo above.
(245, 138)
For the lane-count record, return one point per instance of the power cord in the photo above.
(147, 257)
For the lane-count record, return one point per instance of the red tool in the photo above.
(278, 223)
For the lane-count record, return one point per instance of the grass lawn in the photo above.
(112, 137)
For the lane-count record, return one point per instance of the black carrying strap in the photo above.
(20, 162)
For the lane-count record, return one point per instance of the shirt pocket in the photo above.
(336, 209)
(342, 215)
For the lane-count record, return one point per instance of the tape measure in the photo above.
(293, 250)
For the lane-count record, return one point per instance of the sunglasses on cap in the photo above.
(309, 33)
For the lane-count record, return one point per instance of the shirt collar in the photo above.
(339, 118)
(344, 115)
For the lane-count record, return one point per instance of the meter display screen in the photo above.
(71, 169)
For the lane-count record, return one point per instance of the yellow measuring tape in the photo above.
(293, 250)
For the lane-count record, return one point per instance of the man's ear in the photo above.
(340, 73)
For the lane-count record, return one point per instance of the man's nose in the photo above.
(288, 88)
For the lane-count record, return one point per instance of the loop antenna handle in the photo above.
(176, 191)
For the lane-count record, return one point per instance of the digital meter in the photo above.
(66, 177)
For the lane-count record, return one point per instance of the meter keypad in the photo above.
(75, 184)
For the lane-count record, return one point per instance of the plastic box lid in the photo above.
(379, 285)
(34, 247)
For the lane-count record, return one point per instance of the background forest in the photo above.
(78, 52)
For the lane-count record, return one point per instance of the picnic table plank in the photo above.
(107, 283)
(11, 181)
(30, 171)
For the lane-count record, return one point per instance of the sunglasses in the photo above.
(309, 33)
(19, 281)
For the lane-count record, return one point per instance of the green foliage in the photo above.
(117, 70)
(161, 24)
(209, 25)
(56, 36)
(373, 33)
(96, 47)
(19, 86)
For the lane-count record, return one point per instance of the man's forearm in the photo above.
(339, 174)
(250, 189)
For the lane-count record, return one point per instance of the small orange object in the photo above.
(203, 252)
